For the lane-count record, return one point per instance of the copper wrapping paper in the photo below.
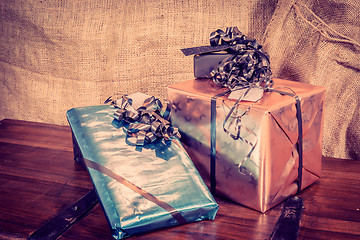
(270, 174)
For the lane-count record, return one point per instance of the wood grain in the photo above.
(39, 179)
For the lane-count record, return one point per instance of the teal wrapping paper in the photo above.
(140, 189)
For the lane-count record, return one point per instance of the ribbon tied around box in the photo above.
(248, 64)
(145, 123)
(247, 74)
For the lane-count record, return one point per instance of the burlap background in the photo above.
(59, 54)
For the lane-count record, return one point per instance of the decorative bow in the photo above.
(145, 123)
(231, 36)
(249, 65)
(247, 68)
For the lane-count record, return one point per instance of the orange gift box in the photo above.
(261, 168)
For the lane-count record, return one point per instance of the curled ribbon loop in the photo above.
(146, 123)
(247, 67)
(249, 64)
(231, 36)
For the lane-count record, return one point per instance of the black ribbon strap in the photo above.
(300, 141)
(247, 68)
(236, 135)
(203, 49)
(53, 228)
(299, 144)
(219, 41)
(213, 141)
(288, 224)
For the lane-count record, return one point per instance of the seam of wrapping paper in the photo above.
(283, 186)
(174, 213)
(279, 125)
(299, 143)
(311, 172)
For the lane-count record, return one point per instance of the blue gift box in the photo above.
(140, 188)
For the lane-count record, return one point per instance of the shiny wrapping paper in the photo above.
(140, 189)
(205, 63)
(269, 133)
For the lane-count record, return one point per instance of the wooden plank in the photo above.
(93, 226)
(62, 221)
(35, 134)
(39, 178)
(42, 163)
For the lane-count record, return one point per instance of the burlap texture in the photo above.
(55, 55)
(317, 42)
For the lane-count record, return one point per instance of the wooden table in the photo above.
(39, 179)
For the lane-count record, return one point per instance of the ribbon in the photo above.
(247, 68)
(236, 121)
(232, 36)
(213, 141)
(220, 40)
(171, 210)
(299, 143)
(249, 65)
(146, 123)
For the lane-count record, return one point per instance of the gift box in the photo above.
(141, 188)
(254, 153)
(231, 55)
(206, 63)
